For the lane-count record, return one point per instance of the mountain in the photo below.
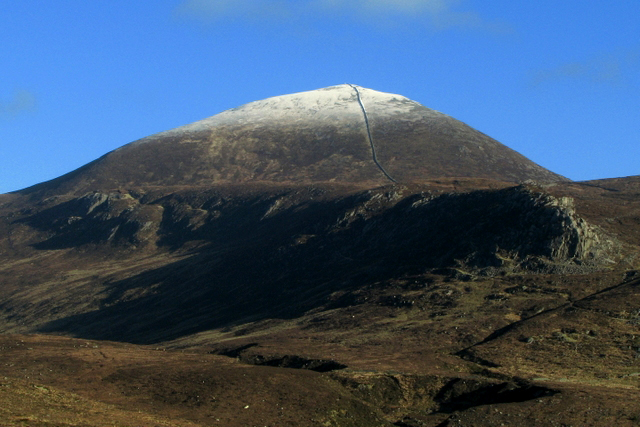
(338, 257)
(308, 137)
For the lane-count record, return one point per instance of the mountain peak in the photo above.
(316, 106)
(344, 133)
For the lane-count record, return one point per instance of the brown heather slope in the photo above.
(259, 268)
(59, 382)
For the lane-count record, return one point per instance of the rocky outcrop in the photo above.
(530, 230)
(117, 219)
(484, 232)
(487, 231)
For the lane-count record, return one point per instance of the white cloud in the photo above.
(401, 6)
(439, 14)
(215, 10)
(436, 14)
(21, 101)
(608, 68)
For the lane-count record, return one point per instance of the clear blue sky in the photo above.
(558, 81)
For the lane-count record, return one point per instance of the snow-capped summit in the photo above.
(335, 103)
(344, 133)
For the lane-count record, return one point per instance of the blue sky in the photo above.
(558, 81)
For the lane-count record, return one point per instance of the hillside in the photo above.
(273, 265)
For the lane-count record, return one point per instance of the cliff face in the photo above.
(577, 240)
(510, 225)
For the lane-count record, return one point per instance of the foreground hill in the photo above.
(68, 382)
(426, 289)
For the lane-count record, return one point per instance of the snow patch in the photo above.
(334, 104)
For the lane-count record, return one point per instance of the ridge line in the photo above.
(366, 122)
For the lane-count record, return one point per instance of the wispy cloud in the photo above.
(381, 6)
(211, 11)
(20, 102)
(436, 14)
(607, 68)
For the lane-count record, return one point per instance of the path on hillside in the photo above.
(366, 122)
